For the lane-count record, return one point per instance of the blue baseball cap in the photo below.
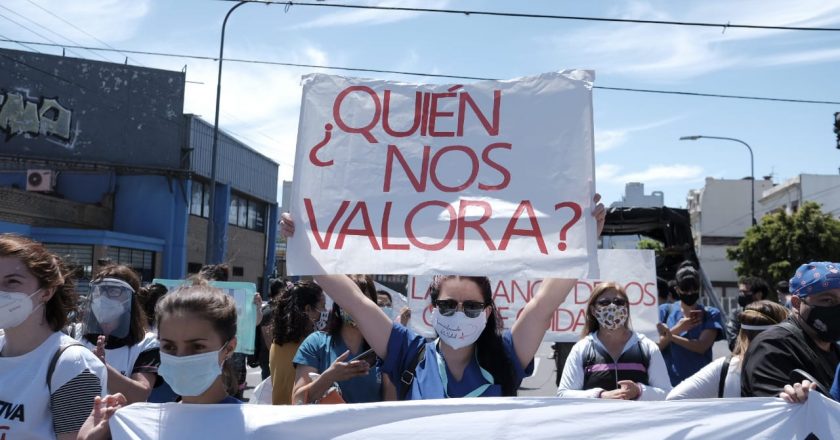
(815, 277)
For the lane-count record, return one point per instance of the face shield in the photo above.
(108, 310)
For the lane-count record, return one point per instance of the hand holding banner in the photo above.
(492, 177)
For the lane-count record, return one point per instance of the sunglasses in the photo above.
(621, 302)
(448, 307)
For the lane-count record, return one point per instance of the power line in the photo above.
(20, 44)
(419, 74)
(724, 26)
(48, 30)
(76, 27)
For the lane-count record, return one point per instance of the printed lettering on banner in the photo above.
(490, 177)
(635, 270)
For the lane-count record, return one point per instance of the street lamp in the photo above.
(752, 166)
(208, 255)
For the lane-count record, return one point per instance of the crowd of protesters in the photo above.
(131, 343)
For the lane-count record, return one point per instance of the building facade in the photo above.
(99, 163)
(720, 215)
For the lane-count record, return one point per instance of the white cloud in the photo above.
(807, 57)
(372, 16)
(662, 52)
(654, 173)
(108, 20)
(609, 139)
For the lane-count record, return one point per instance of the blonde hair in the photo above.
(762, 312)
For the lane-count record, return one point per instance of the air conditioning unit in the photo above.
(40, 180)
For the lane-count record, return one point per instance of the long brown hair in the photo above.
(762, 312)
(50, 272)
(592, 325)
(489, 345)
(210, 304)
(138, 322)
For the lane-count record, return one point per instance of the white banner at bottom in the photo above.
(487, 418)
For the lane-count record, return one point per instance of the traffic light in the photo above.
(837, 128)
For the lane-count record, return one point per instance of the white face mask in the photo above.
(321, 323)
(15, 307)
(190, 375)
(458, 330)
(106, 309)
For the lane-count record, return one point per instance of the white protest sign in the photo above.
(494, 177)
(635, 270)
(498, 418)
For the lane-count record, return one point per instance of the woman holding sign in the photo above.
(466, 360)
(611, 361)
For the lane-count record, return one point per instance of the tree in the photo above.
(777, 246)
(649, 243)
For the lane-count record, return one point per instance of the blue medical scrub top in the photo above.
(403, 347)
(682, 362)
(319, 350)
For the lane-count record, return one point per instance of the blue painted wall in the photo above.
(220, 223)
(155, 206)
(85, 187)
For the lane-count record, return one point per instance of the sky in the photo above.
(636, 134)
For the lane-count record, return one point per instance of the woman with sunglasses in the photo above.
(611, 361)
(473, 356)
(115, 329)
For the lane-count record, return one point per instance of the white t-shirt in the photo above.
(704, 383)
(28, 410)
(124, 359)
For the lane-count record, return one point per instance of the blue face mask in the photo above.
(190, 375)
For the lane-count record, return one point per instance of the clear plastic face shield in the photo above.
(108, 309)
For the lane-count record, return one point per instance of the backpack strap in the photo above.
(54, 361)
(724, 370)
(407, 376)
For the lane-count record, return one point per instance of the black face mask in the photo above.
(825, 321)
(689, 299)
(744, 300)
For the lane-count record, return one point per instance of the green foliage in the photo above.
(777, 246)
(647, 243)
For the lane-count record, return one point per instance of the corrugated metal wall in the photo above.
(245, 169)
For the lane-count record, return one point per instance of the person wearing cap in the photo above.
(691, 328)
(750, 290)
(805, 341)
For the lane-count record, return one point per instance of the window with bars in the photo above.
(79, 259)
(140, 260)
(247, 213)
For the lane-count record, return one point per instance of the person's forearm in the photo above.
(529, 329)
(133, 390)
(694, 345)
(314, 390)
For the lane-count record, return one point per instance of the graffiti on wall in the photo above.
(21, 114)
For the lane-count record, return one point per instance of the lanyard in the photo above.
(445, 380)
